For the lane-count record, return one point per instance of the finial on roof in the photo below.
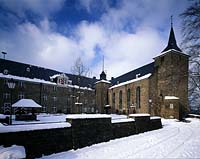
(103, 64)
(171, 21)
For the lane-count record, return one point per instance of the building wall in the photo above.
(53, 98)
(126, 107)
(172, 79)
(101, 96)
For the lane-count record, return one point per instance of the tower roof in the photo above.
(172, 42)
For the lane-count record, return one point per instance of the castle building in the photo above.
(158, 88)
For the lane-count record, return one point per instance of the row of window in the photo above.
(138, 94)
(8, 96)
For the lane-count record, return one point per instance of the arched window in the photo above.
(138, 97)
(120, 100)
(113, 101)
(128, 98)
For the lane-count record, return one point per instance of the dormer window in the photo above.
(28, 69)
(137, 75)
(62, 79)
(5, 72)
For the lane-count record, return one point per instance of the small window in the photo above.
(44, 108)
(138, 97)
(28, 69)
(5, 72)
(21, 84)
(171, 106)
(21, 95)
(6, 95)
(162, 59)
(120, 100)
(54, 99)
(45, 97)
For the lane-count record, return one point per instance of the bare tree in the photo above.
(79, 68)
(191, 45)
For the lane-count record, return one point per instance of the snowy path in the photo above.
(174, 140)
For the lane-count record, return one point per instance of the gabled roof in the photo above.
(149, 68)
(172, 42)
(20, 69)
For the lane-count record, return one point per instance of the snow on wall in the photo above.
(17, 128)
(87, 116)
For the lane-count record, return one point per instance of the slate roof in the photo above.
(149, 68)
(172, 42)
(20, 69)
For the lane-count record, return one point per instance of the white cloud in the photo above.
(129, 36)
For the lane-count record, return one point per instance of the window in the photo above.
(138, 97)
(45, 97)
(28, 69)
(7, 107)
(6, 95)
(21, 95)
(162, 59)
(44, 108)
(54, 88)
(113, 100)
(54, 99)
(171, 106)
(120, 100)
(21, 84)
(5, 72)
(54, 108)
(128, 98)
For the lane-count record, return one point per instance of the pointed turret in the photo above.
(172, 41)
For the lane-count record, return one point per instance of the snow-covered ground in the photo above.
(174, 140)
(13, 152)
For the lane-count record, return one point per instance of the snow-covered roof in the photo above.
(170, 97)
(131, 81)
(138, 115)
(26, 103)
(17, 128)
(54, 76)
(87, 116)
(39, 81)
(103, 81)
(2, 116)
(26, 79)
(165, 52)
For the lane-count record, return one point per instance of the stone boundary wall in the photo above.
(83, 132)
(38, 142)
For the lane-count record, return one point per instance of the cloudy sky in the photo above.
(54, 33)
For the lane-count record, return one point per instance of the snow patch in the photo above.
(12, 152)
(170, 97)
(138, 115)
(87, 116)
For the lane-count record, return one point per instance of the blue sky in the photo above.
(54, 33)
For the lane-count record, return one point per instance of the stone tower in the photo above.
(172, 81)
(101, 88)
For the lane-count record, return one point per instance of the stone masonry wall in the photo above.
(83, 132)
(39, 142)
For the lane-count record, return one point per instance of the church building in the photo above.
(158, 88)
